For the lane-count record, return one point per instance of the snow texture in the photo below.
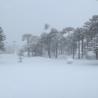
(47, 78)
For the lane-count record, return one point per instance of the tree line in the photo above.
(75, 42)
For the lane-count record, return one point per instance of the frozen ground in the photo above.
(44, 78)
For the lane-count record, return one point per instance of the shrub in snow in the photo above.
(69, 61)
(20, 59)
(20, 54)
(90, 55)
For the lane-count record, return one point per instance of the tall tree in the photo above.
(28, 39)
(92, 33)
(2, 38)
(55, 41)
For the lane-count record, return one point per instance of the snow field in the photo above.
(47, 78)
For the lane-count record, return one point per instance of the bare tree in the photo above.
(27, 38)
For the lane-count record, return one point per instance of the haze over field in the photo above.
(29, 16)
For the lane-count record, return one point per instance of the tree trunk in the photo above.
(28, 52)
(82, 48)
(49, 50)
(79, 50)
(73, 52)
(41, 49)
(96, 54)
(56, 51)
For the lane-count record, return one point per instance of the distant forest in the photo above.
(75, 42)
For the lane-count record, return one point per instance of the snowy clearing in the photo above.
(47, 78)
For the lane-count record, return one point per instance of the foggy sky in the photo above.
(29, 16)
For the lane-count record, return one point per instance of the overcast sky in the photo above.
(29, 16)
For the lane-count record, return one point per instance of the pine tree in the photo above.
(2, 38)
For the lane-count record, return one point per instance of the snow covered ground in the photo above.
(47, 78)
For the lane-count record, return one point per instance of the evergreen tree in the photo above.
(2, 38)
